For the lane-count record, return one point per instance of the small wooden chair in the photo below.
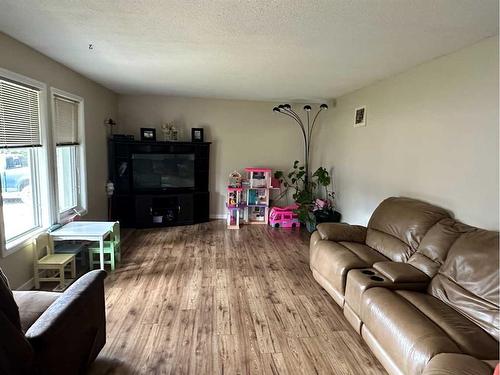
(54, 265)
(111, 248)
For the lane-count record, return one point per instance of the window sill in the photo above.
(70, 215)
(21, 242)
(27, 239)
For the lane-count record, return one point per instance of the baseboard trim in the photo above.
(28, 285)
(217, 216)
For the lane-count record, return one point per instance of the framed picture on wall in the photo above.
(360, 116)
(148, 134)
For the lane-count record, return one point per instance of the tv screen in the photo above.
(163, 171)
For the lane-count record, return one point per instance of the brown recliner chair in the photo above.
(394, 233)
(452, 326)
(52, 333)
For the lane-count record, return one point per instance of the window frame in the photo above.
(82, 204)
(45, 204)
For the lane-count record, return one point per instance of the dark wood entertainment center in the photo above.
(159, 183)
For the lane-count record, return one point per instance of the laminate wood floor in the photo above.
(205, 300)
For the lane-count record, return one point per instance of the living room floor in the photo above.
(206, 300)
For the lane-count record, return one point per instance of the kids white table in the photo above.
(86, 231)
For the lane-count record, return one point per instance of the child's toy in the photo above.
(234, 205)
(284, 217)
(233, 217)
(234, 180)
(257, 197)
(256, 214)
(259, 177)
(248, 198)
(233, 197)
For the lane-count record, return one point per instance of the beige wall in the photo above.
(99, 104)
(243, 133)
(432, 133)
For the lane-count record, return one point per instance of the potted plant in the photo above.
(312, 209)
(323, 208)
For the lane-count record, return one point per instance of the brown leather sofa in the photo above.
(432, 305)
(52, 333)
(393, 234)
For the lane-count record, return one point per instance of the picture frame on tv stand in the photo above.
(196, 134)
(148, 134)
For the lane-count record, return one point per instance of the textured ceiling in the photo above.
(254, 49)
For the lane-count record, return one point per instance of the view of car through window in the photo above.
(17, 197)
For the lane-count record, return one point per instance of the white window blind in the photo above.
(19, 116)
(66, 121)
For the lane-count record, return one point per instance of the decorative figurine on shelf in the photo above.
(234, 180)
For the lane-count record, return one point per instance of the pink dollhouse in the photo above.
(234, 206)
(248, 198)
(259, 177)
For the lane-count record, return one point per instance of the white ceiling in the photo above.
(253, 49)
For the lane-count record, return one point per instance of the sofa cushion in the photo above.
(469, 337)
(398, 225)
(434, 247)
(7, 303)
(449, 364)
(407, 336)
(341, 232)
(365, 253)
(469, 279)
(32, 304)
(332, 261)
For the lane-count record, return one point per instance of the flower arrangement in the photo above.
(170, 132)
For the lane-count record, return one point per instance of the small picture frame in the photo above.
(360, 117)
(148, 134)
(196, 134)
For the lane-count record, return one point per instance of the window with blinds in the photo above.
(65, 121)
(19, 116)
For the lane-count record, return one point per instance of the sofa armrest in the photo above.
(67, 337)
(452, 363)
(401, 272)
(342, 232)
(16, 354)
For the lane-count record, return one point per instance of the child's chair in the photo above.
(54, 265)
(111, 248)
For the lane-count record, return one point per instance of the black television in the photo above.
(155, 172)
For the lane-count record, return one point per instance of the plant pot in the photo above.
(311, 225)
(327, 216)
